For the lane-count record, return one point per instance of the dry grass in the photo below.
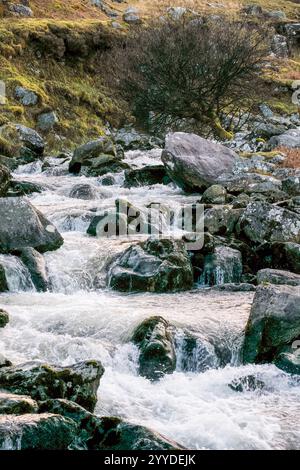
(292, 157)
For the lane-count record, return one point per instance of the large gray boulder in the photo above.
(278, 276)
(290, 139)
(78, 382)
(157, 354)
(24, 226)
(273, 323)
(4, 180)
(36, 431)
(223, 266)
(263, 222)
(194, 163)
(152, 266)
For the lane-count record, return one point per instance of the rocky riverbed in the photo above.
(143, 335)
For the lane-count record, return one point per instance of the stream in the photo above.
(80, 319)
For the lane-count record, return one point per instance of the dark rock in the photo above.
(83, 191)
(261, 222)
(34, 431)
(152, 266)
(130, 139)
(249, 383)
(195, 163)
(146, 176)
(21, 188)
(274, 321)
(157, 353)
(291, 185)
(3, 280)
(289, 359)
(221, 220)
(215, 194)
(95, 155)
(24, 226)
(223, 266)
(290, 139)
(11, 404)
(4, 180)
(36, 265)
(279, 277)
(4, 318)
(78, 382)
(194, 354)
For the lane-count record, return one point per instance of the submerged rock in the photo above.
(194, 163)
(274, 322)
(36, 265)
(24, 226)
(249, 383)
(277, 276)
(36, 431)
(157, 353)
(152, 266)
(78, 382)
(11, 404)
(4, 318)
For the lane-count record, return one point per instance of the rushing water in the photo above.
(80, 319)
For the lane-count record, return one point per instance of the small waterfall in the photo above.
(222, 267)
(17, 275)
(193, 353)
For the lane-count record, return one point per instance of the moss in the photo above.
(5, 147)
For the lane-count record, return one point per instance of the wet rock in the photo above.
(215, 194)
(274, 321)
(193, 353)
(146, 176)
(4, 318)
(78, 382)
(223, 266)
(4, 180)
(249, 383)
(157, 353)
(152, 266)
(194, 163)
(4, 362)
(34, 431)
(11, 404)
(36, 265)
(24, 226)
(277, 276)
(289, 359)
(3, 280)
(25, 96)
(262, 222)
(21, 188)
(230, 287)
(83, 191)
(96, 157)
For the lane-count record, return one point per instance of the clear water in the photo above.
(80, 319)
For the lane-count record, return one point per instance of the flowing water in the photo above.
(80, 319)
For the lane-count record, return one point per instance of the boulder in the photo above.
(248, 383)
(129, 139)
(4, 180)
(46, 121)
(194, 163)
(152, 266)
(273, 323)
(221, 220)
(291, 185)
(96, 158)
(11, 404)
(289, 359)
(215, 194)
(24, 226)
(279, 256)
(194, 354)
(263, 222)
(36, 265)
(146, 176)
(83, 191)
(27, 143)
(36, 432)
(279, 46)
(290, 139)
(20, 10)
(132, 16)
(22, 188)
(4, 318)
(157, 354)
(25, 96)
(223, 266)
(277, 276)
(78, 382)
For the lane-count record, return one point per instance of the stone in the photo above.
(46, 121)
(36, 265)
(215, 194)
(291, 185)
(157, 265)
(261, 222)
(276, 15)
(78, 382)
(131, 16)
(194, 163)
(25, 96)
(274, 322)
(277, 276)
(4, 317)
(223, 266)
(249, 383)
(157, 353)
(290, 139)
(279, 46)
(24, 226)
(3, 280)
(280, 256)
(20, 10)
(221, 220)
(289, 359)
(11, 404)
(146, 176)
(83, 191)
(36, 432)
(22, 188)
(130, 139)
(253, 10)
(5, 179)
